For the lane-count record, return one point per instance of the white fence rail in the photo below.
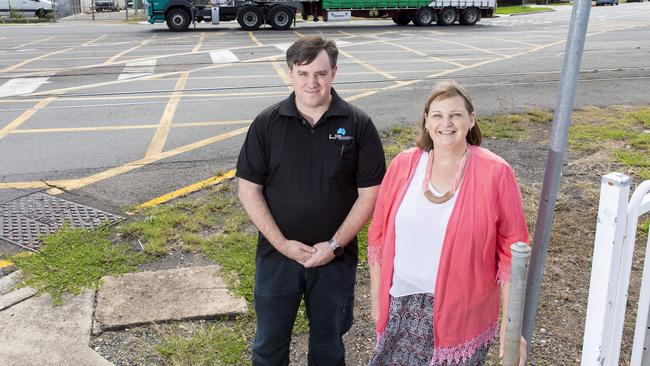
(610, 275)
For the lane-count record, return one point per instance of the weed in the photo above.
(74, 259)
(214, 344)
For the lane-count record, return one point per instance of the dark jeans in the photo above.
(329, 300)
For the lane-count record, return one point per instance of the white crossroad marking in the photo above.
(138, 69)
(223, 57)
(21, 86)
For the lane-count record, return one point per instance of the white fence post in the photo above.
(639, 205)
(516, 296)
(612, 209)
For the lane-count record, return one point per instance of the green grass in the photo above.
(75, 259)
(622, 132)
(214, 344)
(519, 9)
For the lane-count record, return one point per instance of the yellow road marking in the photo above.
(31, 43)
(127, 127)
(150, 77)
(367, 66)
(160, 137)
(187, 190)
(78, 183)
(94, 40)
(5, 263)
(115, 57)
(20, 64)
(298, 34)
(254, 39)
(24, 117)
(434, 58)
(509, 40)
(346, 34)
(199, 43)
(467, 46)
(283, 74)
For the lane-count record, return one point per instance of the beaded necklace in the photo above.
(460, 172)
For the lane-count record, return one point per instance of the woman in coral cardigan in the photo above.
(439, 243)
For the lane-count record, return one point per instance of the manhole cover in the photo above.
(24, 220)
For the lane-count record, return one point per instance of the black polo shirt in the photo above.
(311, 174)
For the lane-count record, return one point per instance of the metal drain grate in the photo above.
(25, 219)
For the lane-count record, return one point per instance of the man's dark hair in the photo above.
(305, 50)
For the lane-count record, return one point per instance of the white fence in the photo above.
(610, 275)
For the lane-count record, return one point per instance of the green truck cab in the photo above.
(280, 14)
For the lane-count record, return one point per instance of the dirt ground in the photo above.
(558, 331)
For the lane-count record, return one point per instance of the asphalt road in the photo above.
(117, 114)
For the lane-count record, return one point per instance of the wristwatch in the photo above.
(336, 248)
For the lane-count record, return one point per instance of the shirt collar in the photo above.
(338, 107)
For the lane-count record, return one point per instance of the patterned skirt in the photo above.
(408, 338)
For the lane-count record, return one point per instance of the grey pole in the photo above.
(555, 159)
(518, 273)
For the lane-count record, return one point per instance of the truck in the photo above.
(281, 14)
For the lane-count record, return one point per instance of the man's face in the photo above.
(312, 82)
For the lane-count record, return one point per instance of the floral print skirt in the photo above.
(408, 338)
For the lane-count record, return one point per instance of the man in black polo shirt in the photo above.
(309, 172)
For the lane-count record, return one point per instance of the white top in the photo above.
(420, 227)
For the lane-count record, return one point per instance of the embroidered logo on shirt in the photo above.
(340, 135)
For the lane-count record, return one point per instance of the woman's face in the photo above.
(448, 122)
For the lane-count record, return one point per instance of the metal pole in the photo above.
(555, 158)
(518, 273)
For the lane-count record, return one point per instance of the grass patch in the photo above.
(75, 259)
(625, 132)
(519, 9)
(215, 344)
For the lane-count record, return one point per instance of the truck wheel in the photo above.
(402, 18)
(280, 17)
(447, 16)
(469, 16)
(40, 13)
(178, 19)
(250, 17)
(423, 17)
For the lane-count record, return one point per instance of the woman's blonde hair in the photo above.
(444, 90)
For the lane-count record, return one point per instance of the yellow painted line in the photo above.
(282, 74)
(34, 42)
(509, 40)
(5, 263)
(254, 39)
(114, 58)
(367, 66)
(346, 34)
(94, 40)
(35, 59)
(78, 183)
(151, 77)
(160, 137)
(24, 117)
(187, 190)
(199, 43)
(298, 34)
(434, 58)
(467, 46)
(126, 127)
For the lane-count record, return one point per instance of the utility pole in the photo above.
(555, 158)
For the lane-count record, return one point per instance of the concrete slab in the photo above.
(183, 293)
(16, 296)
(9, 282)
(36, 332)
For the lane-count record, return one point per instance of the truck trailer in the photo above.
(281, 14)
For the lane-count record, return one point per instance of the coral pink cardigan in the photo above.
(486, 219)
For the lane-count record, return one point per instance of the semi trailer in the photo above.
(281, 14)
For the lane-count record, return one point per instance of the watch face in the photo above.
(338, 251)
